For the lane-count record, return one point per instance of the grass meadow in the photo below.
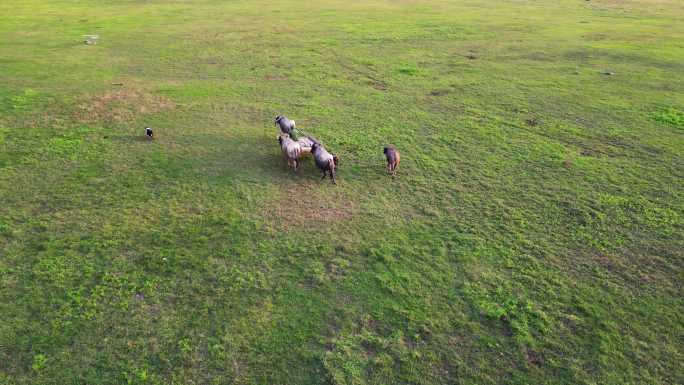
(533, 234)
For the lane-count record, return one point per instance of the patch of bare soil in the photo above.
(534, 357)
(379, 85)
(121, 105)
(438, 92)
(301, 203)
(532, 122)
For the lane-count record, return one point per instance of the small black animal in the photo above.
(393, 158)
(149, 133)
(286, 125)
(325, 161)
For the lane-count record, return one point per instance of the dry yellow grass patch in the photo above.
(122, 105)
(303, 203)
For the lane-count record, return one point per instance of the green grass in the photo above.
(533, 234)
(670, 116)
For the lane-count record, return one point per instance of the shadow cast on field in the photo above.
(249, 158)
(128, 138)
(283, 197)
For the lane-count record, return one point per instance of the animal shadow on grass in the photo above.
(127, 138)
(252, 158)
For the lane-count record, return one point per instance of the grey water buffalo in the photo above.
(393, 158)
(286, 125)
(291, 149)
(325, 161)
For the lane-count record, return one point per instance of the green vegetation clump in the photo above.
(670, 116)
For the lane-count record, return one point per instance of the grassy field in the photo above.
(533, 234)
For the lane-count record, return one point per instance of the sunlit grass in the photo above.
(532, 234)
